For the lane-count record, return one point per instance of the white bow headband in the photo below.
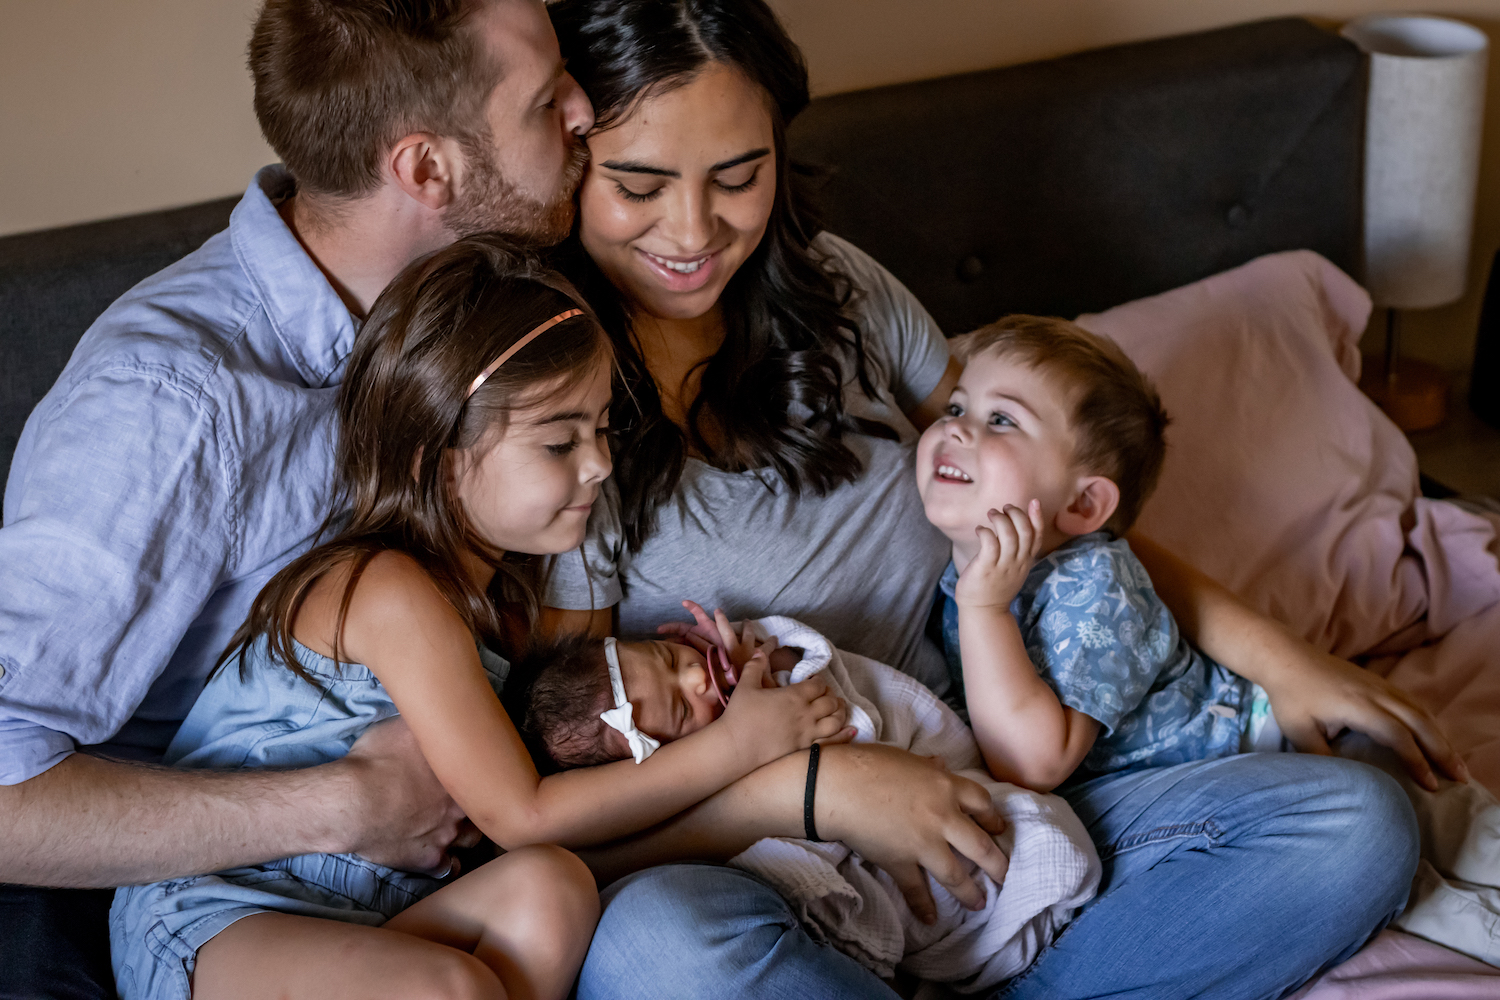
(621, 717)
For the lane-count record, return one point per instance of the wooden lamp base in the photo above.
(1412, 393)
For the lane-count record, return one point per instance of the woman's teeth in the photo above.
(678, 266)
(953, 472)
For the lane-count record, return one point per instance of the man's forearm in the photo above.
(92, 822)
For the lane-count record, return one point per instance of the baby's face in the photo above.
(1005, 438)
(667, 683)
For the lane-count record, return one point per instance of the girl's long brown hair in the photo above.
(402, 410)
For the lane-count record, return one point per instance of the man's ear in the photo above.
(426, 167)
(1092, 505)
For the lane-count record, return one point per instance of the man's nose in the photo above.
(578, 112)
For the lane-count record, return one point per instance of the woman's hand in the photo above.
(908, 814)
(768, 721)
(1316, 696)
(1008, 549)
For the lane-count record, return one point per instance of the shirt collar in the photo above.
(312, 326)
(950, 579)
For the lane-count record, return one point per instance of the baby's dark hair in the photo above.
(555, 693)
(1116, 411)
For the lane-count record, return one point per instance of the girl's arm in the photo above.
(416, 644)
(1315, 696)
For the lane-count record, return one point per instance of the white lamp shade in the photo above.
(1422, 137)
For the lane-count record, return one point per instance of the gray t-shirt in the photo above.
(859, 565)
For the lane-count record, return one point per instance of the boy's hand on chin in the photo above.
(1008, 548)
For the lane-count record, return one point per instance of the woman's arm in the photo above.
(905, 813)
(1315, 696)
(932, 407)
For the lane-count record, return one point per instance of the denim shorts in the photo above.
(156, 930)
(263, 716)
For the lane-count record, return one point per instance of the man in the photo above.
(185, 456)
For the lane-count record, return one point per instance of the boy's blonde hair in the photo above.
(1116, 411)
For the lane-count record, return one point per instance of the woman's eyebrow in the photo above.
(637, 167)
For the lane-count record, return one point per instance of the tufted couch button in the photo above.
(1238, 216)
(970, 269)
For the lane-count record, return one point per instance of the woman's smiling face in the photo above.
(678, 194)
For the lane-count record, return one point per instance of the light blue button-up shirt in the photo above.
(183, 457)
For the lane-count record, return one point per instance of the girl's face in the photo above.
(529, 488)
(678, 195)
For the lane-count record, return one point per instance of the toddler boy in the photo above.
(1051, 444)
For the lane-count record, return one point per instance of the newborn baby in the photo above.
(594, 700)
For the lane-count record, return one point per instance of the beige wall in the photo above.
(116, 106)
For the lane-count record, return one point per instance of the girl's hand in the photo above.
(1324, 695)
(768, 722)
(1007, 551)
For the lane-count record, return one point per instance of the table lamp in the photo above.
(1424, 121)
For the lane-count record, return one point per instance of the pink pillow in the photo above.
(1282, 480)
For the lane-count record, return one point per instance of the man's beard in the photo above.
(488, 202)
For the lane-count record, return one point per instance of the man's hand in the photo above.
(404, 817)
(908, 814)
(1316, 696)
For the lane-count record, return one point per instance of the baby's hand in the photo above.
(768, 722)
(739, 643)
(1007, 551)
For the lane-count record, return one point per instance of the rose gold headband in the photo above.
(513, 348)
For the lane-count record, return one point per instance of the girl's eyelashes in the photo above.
(565, 448)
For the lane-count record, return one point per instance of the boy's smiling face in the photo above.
(1006, 438)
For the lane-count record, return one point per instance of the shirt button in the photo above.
(2, 672)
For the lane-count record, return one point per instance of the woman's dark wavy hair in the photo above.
(403, 409)
(786, 337)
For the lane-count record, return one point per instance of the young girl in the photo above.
(472, 441)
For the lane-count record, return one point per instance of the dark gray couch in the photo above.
(1054, 187)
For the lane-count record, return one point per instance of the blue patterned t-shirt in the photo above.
(1106, 644)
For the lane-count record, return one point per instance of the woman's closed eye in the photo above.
(636, 196)
(731, 184)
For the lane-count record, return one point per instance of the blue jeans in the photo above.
(1240, 877)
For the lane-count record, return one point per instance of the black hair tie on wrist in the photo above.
(809, 825)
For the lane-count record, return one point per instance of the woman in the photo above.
(774, 382)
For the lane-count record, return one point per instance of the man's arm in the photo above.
(899, 811)
(92, 822)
